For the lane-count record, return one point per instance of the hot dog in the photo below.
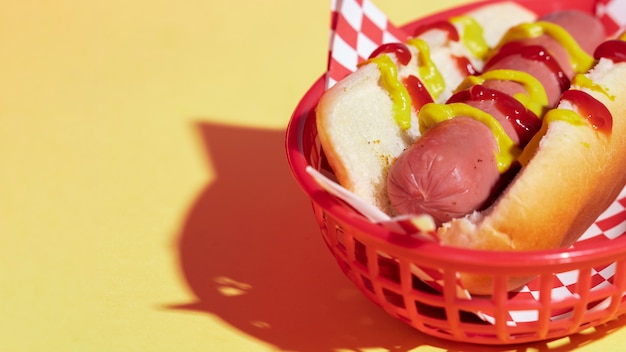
(573, 173)
(357, 136)
(559, 177)
(448, 177)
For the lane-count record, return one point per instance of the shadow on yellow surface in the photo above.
(250, 252)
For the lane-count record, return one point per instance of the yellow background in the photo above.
(145, 200)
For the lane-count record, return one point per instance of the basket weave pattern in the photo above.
(389, 280)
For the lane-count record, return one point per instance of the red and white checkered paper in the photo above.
(358, 27)
(612, 13)
(609, 225)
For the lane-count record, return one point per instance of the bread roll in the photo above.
(358, 136)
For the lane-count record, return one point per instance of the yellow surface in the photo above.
(146, 204)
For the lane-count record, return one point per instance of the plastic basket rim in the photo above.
(414, 246)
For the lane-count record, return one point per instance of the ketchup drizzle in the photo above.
(614, 50)
(531, 52)
(416, 89)
(464, 64)
(418, 93)
(402, 52)
(524, 121)
(591, 109)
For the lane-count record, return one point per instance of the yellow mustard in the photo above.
(581, 80)
(433, 113)
(428, 72)
(536, 100)
(572, 117)
(566, 115)
(472, 36)
(580, 60)
(398, 93)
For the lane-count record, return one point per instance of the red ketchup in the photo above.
(614, 50)
(525, 123)
(531, 52)
(417, 91)
(591, 109)
(402, 52)
(465, 65)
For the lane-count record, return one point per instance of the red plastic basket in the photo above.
(574, 289)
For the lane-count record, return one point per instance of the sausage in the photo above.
(451, 170)
(440, 188)
(554, 76)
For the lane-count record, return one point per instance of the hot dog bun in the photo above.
(571, 172)
(358, 136)
(572, 176)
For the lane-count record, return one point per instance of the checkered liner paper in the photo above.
(358, 27)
